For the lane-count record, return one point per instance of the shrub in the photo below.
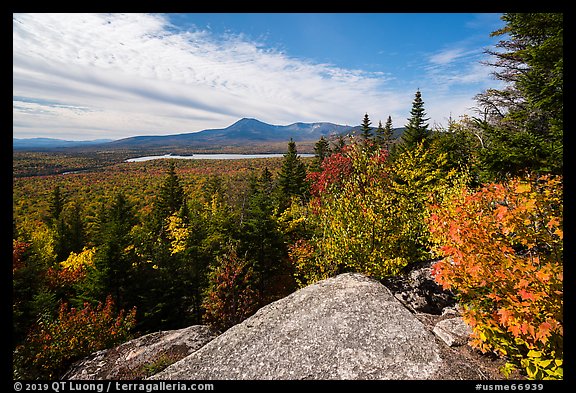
(502, 253)
(231, 296)
(370, 213)
(53, 345)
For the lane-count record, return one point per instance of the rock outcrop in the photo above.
(142, 356)
(346, 327)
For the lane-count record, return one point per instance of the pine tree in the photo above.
(388, 133)
(523, 122)
(339, 144)
(379, 134)
(417, 129)
(171, 193)
(321, 151)
(56, 206)
(292, 178)
(366, 129)
(112, 262)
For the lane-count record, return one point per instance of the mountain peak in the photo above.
(247, 121)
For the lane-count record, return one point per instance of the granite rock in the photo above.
(134, 358)
(345, 327)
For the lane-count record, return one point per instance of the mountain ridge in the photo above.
(243, 132)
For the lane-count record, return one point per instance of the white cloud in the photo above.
(446, 56)
(457, 69)
(137, 74)
(88, 76)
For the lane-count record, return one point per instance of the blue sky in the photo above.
(92, 76)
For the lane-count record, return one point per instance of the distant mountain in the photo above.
(242, 132)
(52, 143)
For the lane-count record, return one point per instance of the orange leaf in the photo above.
(523, 283)
(526, 295)
(504, 316)
(501, 211)
(554, 222)
(544, 277)
(514, 329)
(558, 232)
(543, 332)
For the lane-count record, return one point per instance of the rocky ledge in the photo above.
(346, 327)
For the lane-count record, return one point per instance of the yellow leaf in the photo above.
(522, 188)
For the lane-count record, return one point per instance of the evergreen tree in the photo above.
(292, 178)
(384, 134)
(379, 134)
(112, 261)
(262, 241)
(417, 129)
(366, 129)
(57, 224)
(56, 206)
(523, 122)
(388, 134)
(267, 181)
(321, 151)
(171, 195)
(76, 229)
(339, 144)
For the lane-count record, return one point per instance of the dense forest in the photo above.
(124, 249)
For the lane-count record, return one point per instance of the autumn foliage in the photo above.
(369, 212)
(231, 296)
(52, 345)
(502, 253)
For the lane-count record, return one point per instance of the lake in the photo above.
(211, 157)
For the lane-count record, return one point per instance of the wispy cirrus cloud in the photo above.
(88, 76)
(456, 74)
(138, 74)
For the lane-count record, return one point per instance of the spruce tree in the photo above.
(321, 151)
(57, 224)
(388, 134)
(292, 178)
(262, 241)
(76, 229)
(339, 144)
(171, 193)
(366, 129)
(56, 206)
(379, 134)
(112, 262)
(417, 129)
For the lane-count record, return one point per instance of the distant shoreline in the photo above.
(211, 157)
